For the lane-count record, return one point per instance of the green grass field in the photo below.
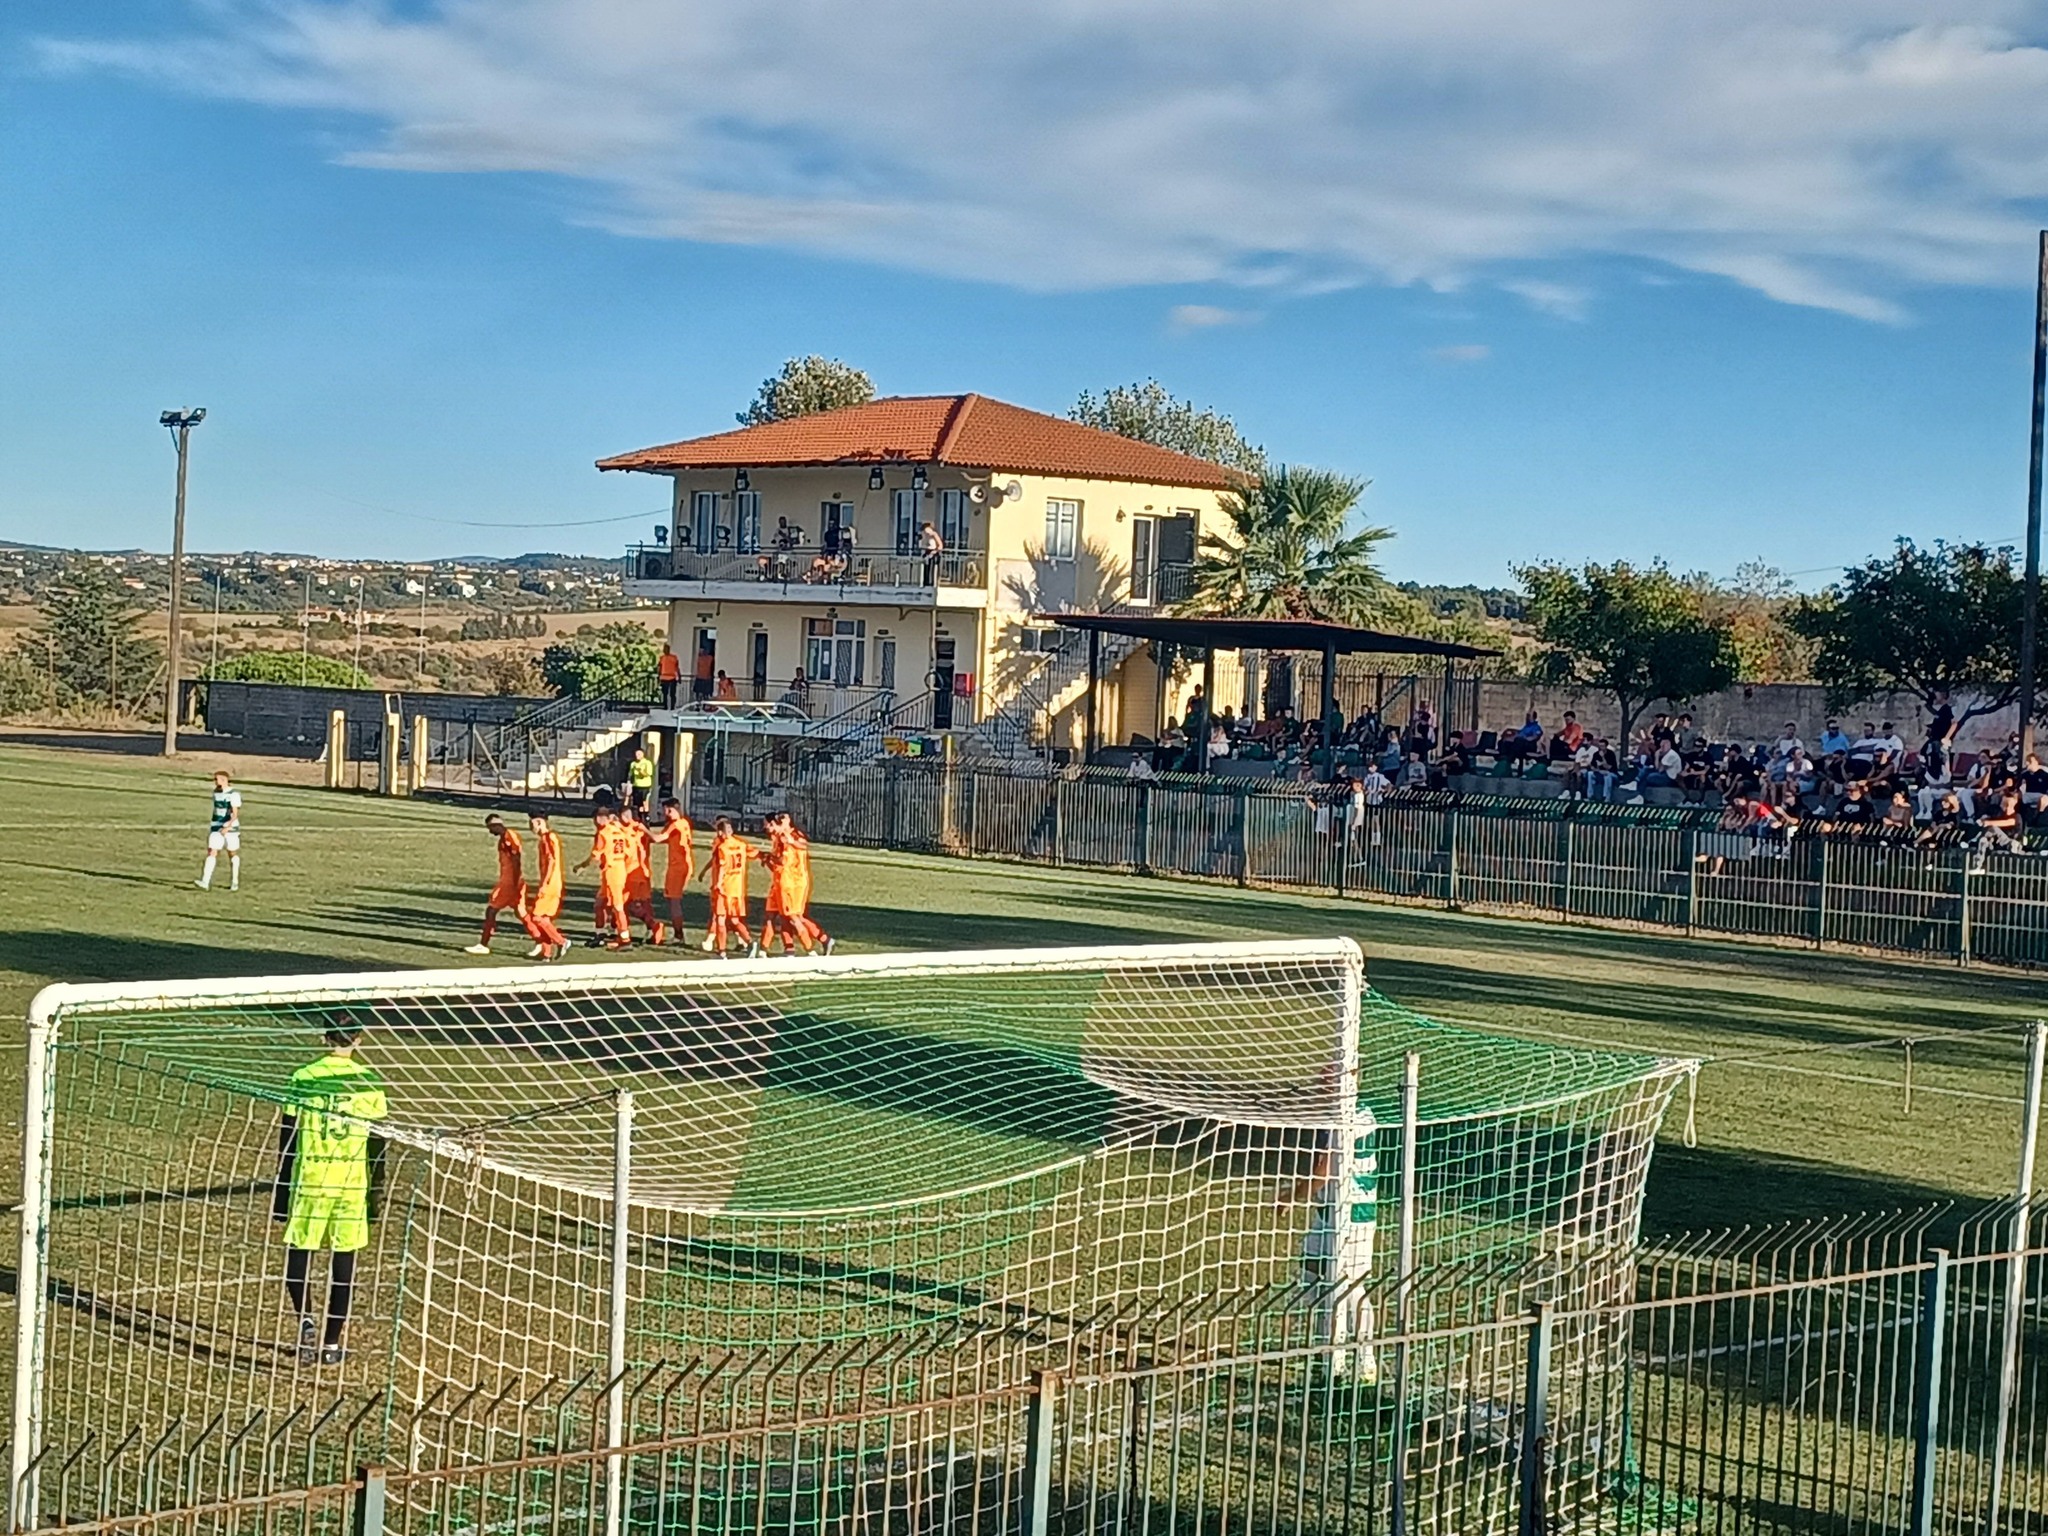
(1802, 1109)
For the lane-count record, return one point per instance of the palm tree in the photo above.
(1287, 555)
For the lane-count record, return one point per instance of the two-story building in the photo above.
(898, 551)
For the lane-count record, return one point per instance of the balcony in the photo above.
(959, 579)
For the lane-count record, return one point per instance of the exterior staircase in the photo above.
(548, 751)
(1015, 732)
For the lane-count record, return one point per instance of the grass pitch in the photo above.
(1803, 1108)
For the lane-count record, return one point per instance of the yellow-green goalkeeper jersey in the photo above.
(335, 1099)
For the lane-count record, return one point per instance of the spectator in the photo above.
(800, 685)
(700, 676)
(1863, 749)
(1422, 729)
(1941, 725)
(1141, 765)
(1688, 738)
(1947, 811)
(2033, 784)
(1855, 810)
(1219, 743)
(1373, 787)
(1522, 743)
(1414, 772)
(1578, 782)
(668, 670)
(1455, 762)
(1787, 743)
(1898, 812)
(1999, 831)
(725, 690)
(932, 545)
(1662, 771)
(1564, 744)
(1888, 738)
(1833, 739)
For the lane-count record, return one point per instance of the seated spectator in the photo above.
(1422, 729)
(1888, 738)
(1456, 760)
(1947, 812)
(1833, 739)
(1389, 757)
(1690, 740)
(1141, 765)
(1863, 749)
(1662, 771)
(1564, 742)
(1694, 778)
(1414, 772)
(1999, 828)
(1898, 811)
(2033, 784)
(1787, 743)
(1884, 777)
(1855, 811)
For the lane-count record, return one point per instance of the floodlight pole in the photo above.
(2030, 611)
(180, 424)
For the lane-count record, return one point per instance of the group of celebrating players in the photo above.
(622, 850)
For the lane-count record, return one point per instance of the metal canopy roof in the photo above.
(1266, 635)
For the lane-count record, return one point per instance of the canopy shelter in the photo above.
(1210, 635)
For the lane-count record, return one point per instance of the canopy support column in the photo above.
(1091, 740)
(1329, 736)
(1201, 742)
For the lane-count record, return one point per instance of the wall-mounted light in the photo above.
(739, 480)
(1119, 514)
(917, 478)
(875, 478)
(661, 533)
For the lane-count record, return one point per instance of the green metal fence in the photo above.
(1573, 861)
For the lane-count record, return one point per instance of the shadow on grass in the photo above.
(62, 955)
(1696, 1189)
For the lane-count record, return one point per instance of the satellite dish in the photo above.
(1013, 491)
(977, 494)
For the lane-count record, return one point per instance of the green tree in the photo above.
(290, 667)
(604, 661)
(1286, 553)
(90, 642)
(1636, 633)
(1148, 413)
(806, 386)
(1922, 621)
(1757, 607)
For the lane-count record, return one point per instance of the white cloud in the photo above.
(1466, 352)
(1567, 301)
(1823, 152)
(1183, 318)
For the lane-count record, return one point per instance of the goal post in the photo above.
(572, 1177)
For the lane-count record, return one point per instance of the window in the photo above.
(835, 651)
(1144, 558)
(704, 521)
(954, 510)
(835, 521)
(1062, 523)
(906, 506)
(746, 515)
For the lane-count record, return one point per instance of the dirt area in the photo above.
(201, 753)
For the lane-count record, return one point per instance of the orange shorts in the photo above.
(547, 903)
(728, 906)
(505, 896)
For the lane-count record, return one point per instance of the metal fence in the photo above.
(1836, 1377)
(1574, 861)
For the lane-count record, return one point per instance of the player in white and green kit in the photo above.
(323, 1182)
(224, 832)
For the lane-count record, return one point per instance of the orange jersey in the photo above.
(729, 858)
(682, 856)
(547, 894)
(789, 885)
(639, 861)
(612, 848)
(511, 887)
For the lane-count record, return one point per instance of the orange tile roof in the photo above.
(967, 431)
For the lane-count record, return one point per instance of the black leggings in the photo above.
(341, 1285)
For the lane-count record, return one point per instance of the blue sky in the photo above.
(1602, 282)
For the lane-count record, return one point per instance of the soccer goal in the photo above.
(304, 1219)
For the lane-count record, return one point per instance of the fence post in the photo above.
(1927, 1395)
(31, 1285)
(2016, 1266)
(1964, 935)
(1692, 878)
(1564, 908)
(1038, 1416)
(1238, 835)
(1535, 1518)
(1451, 858)
(615, 1396)
(1820, 906)
(891, 773)
(1145, 828)
(366, 1517)
(337, 748)
(1411, 1108)
(390, 755)
(1059, 822)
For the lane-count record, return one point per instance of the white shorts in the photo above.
(229, 838)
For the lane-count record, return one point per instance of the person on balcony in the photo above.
(931, 545)
(669, 671)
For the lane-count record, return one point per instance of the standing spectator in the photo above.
(1787, 743)
(1688, 738)
(930, 544)
(700, 676)
(800, 685)
(1941, 725)
(669, 671)
(1833, 739)
(1422, 729)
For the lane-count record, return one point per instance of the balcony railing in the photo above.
(800, 568)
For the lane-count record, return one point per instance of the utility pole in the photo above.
(2030, 612)
(180, 424)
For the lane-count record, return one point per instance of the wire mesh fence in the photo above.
(1573, 861)
(1831, 1376)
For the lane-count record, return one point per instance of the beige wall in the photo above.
(783, 622)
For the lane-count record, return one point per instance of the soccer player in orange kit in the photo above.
(789, 889)
(640, 873)
(675, 830)
(509, 894)
(611, 852)
(727, 873)
(546, 902)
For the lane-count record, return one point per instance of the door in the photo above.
(885, 664)
(704, 666)
(907, 504)
(760, 665)
(1143, 558)
(942, 685)
(1176, 551)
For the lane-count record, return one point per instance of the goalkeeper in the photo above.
(322, 1194)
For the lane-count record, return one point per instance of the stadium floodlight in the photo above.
(181, 424)
(593, 1170)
